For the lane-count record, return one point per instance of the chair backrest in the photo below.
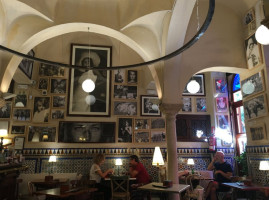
(30, 188)
(192, 178)
(119, 184)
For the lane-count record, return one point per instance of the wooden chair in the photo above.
(195, 191)
(120, 187)
(32, 193)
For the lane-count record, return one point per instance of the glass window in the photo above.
(240, 118)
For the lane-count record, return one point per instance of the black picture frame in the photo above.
(83, 132)
(99, 105)
(125, 130)
(26, 66)
(199, 78)
(150, 106)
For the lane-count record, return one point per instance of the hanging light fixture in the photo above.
(193, 87)
(262, 33)
(90, 99)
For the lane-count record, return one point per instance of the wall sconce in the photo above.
(118, 163)
(191, 163)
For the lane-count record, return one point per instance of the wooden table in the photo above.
(41, 183)
(56, 192)
(176, 188)
(250, 190)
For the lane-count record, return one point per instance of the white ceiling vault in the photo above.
(151, 28)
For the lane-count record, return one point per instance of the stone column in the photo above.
(170, 111)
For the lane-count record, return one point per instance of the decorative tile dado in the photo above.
(257, 149)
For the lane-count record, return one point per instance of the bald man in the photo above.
(223, 173)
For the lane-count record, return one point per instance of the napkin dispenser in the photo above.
(168, 183)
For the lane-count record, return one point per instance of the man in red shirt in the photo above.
(138, 171)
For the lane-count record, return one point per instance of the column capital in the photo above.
(170, 109)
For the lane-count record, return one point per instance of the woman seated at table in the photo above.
(97, 174)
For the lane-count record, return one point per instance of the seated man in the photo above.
(223, 173)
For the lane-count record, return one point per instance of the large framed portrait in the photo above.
(125, 92)
(223, 122)
(41, 134)
(150, 106)
(97, 102)
(41, 109)
(222, 104)
(125, 108)
(253, 52)
(253, 84)
(50, 70)
(220, 85)
(199, 78)
(258, 132)
(125, 130)
(86, 132)
(255, 107)
(26, 66)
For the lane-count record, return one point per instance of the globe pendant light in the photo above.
(193, 87)
(88, 85)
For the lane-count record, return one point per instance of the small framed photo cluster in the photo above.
(250, 22)
(141, 130)
(200, 104)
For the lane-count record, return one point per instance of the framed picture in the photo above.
(157, 123)
(125, 131)
(58, 101)
(125, 92)
(19, 143)
(201, 105)
(50, 70)
(57, 114)
(253, 52)
(41, 134)
(21, 114)
(258, 132)
(20, 100)
(125, 108)
(157, 136)
(141, 124)
(141, 136)
(5, 111)
(132, 76)
(199, 78)
(249, 16)
(228, 142)
(99, 56)
(223, 122)
(150, 106)
(187, 107)
(220, 85)
(251, 27)
(26, 65)
(119, 76)
(252, 85)
(255, 107)
(222, 104)
(41, 109)
(86, 132)
(43, 83)
(16, 129)
(58, 86)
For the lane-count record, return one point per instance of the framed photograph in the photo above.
(253, 52)
(157, 136)
(251, 27)
(141, 124)
(157, 123)
(249, 16)
(199, 78)
(5, 111)
(141, 136)
(20, 100)
(150, 106)
(19, 143)
(125, 108)
(255, 107)
(125, 92)
(86, 132)
(50, 70)
(26, 66)
(43, 83)
(119, 76)
(41, 109)
(41, 134)
(252, 85)
(125, 131)
(220, 85)
(221, 104)
(16, 129)
(58, 101)
(58, 86)
(57, 114)
(187, 107)
(223, 122)
(132, 76)
(228, 142)
(201, 105)
(99, 56)
(23, 115)
(258, 132)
